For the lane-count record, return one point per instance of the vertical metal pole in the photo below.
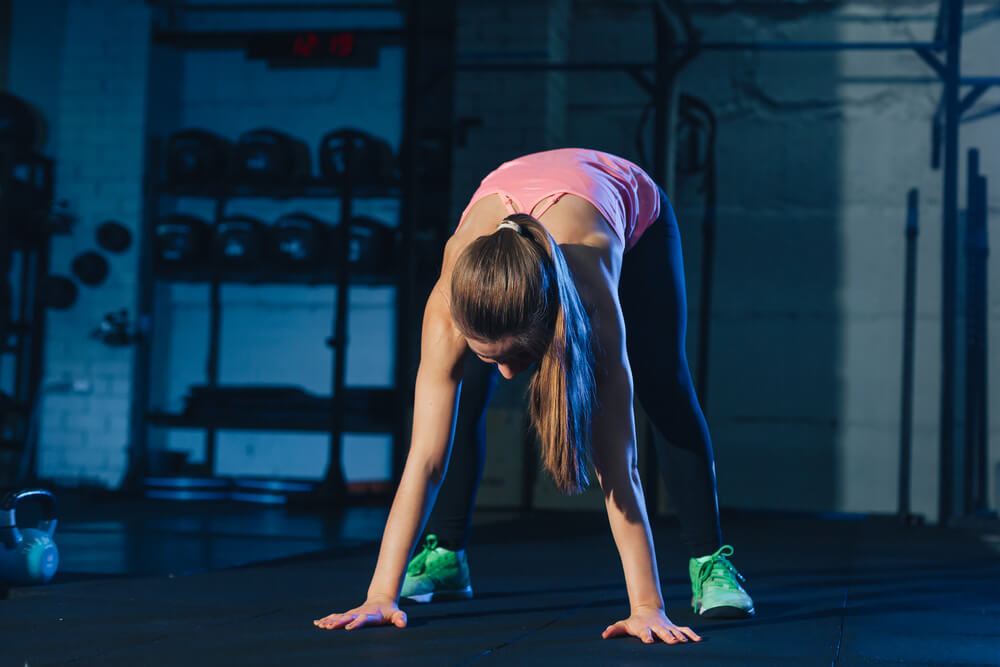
(708, 228)
(335, 485)
(37, 361)
(142, 375)
(909, 310)
(976, 341)
(214, 337)
(662, 85)
(24, 342)
(971, 216)
(949, 243)
(982, 419)
(6, 260)
(407, 317)
(6, 8)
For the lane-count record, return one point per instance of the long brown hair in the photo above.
(517, 286)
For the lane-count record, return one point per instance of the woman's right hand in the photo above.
(372, 612)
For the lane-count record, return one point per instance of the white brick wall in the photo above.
(102, 88)
(95, 107)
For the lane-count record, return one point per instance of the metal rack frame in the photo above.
(333, 486)
(27, 327)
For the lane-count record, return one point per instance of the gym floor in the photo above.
(166, 583)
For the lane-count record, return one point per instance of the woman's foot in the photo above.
(715, 587)
(437, 573)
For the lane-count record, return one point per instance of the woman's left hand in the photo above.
(647, 623)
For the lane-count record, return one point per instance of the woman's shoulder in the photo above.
(574, 220)
(480, 218)
(570, 219)
(442, 343)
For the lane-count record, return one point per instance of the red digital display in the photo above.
(345, 48)
(312, 45)
(305, 45)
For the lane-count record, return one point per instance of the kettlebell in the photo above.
(27, 555)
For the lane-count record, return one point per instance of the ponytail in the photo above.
(519, 285)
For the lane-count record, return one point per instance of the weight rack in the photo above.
(419, 119)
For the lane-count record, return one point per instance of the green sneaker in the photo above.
(437, 573)
(715, 587)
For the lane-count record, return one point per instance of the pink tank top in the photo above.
(623, 193)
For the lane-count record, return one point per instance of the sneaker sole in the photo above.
(463, 594)
(724, 612)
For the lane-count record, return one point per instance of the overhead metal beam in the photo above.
(547, 66)
(273, 6)
(931, 60)
(980, 81)
(985, 113)
(970, 98)
(788, 45)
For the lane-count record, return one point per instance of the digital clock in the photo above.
(349, 48)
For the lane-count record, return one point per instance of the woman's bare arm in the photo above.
(616, 459)
(435, 403)
(442, 350)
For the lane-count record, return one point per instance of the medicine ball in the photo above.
(22, 127)
(266, 157)
(180, 241)
(369, 159)
(198, 157)
(114, 236)
(59, 292)
(299, 239)
(90, 268)
(371, 245)
(238, 242)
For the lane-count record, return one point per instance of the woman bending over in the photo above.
(537, 274)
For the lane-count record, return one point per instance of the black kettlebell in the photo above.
(27, 555)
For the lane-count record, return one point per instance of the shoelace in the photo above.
(724, 576)
(417, 564)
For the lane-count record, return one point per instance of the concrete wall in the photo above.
(816, 154)
(809, 287)
(509, 113)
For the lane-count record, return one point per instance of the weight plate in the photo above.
(114, 237)
(59, 292)
(90, 268)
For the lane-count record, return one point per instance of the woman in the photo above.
(532, 274)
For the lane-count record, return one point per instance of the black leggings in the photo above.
(654, 305)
